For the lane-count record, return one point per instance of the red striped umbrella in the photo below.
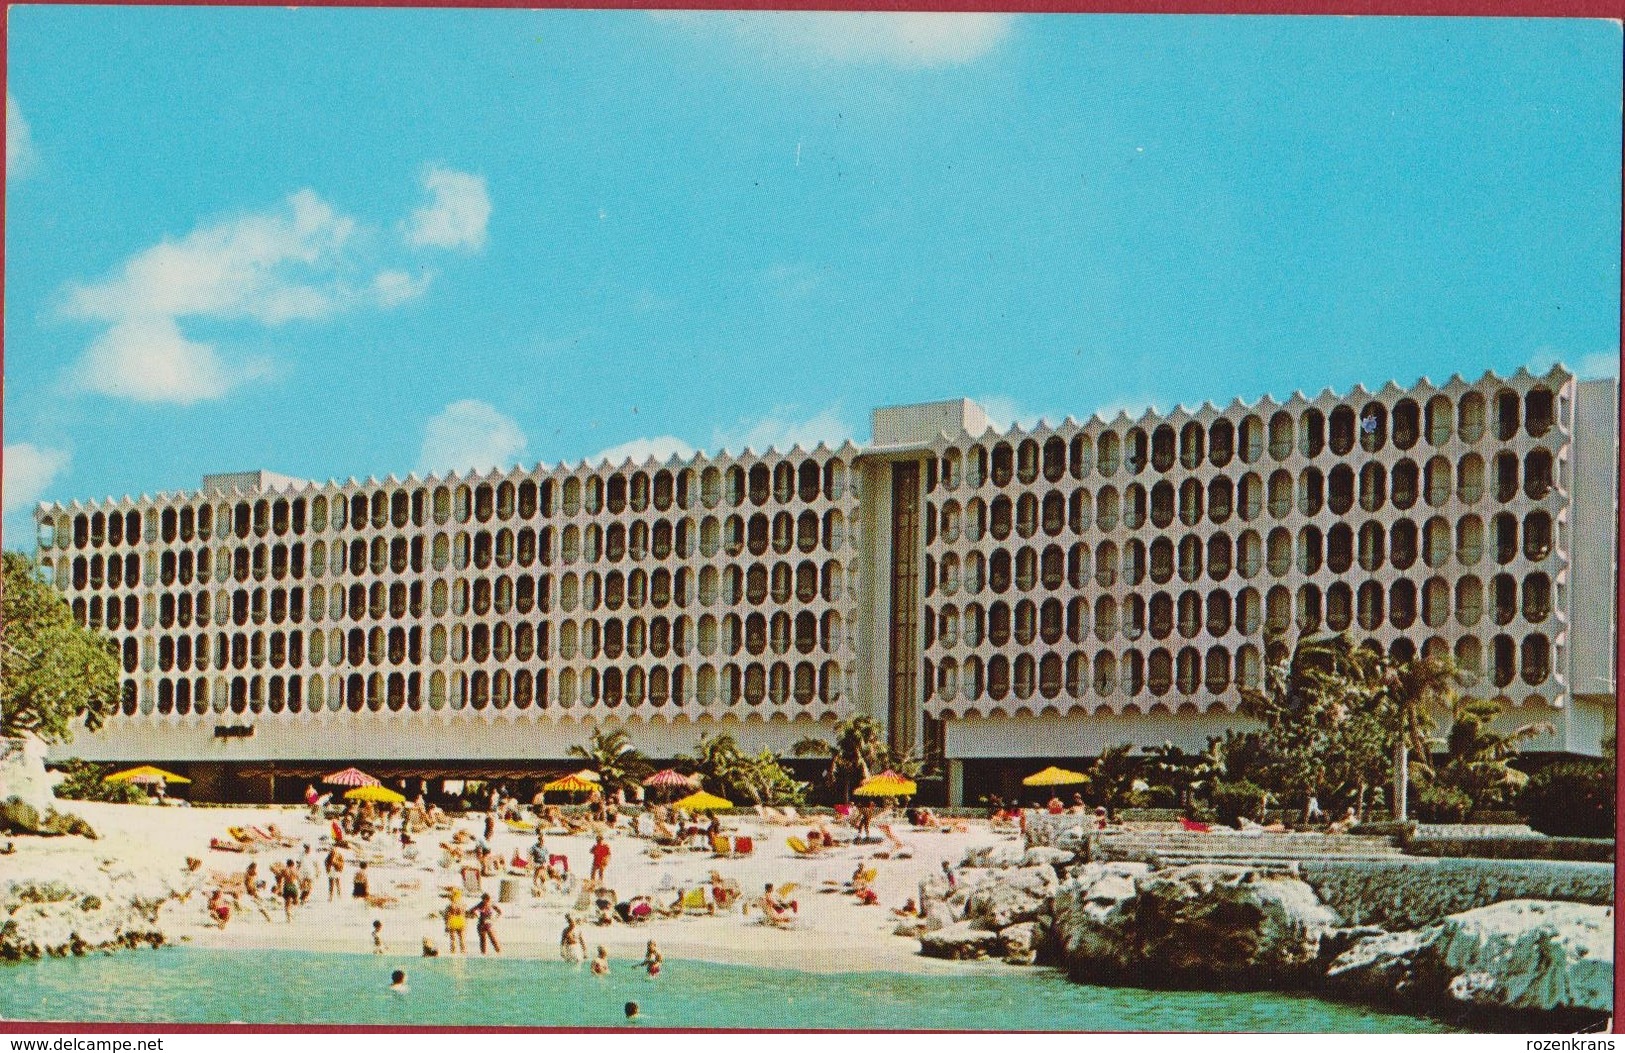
(349, 777)
(670, 779)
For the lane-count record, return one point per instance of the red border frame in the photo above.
(1600, 9)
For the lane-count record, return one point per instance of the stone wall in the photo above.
(1405, 893)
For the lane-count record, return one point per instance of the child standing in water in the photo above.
(600, 964)
(652, 959)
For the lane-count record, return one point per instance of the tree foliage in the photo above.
(84, 781)
(52, 670)
(1477, 759)
(857, 753)
(1571, 799)
(611, 754)
(726, 770)
(1326, 729)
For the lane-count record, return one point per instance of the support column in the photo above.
(956, 784)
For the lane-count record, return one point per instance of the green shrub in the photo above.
(1571, 799)
(83, 782)
(1442, 804)
(1232, 800)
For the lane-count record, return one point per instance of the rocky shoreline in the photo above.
(1506, 964)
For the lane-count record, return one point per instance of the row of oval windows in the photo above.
(589, 640)
(482, 550)
(784, 483)
(1188, 671)
(1194, 445)
(805, 582)
(1249, 498)
(1248, 612)
(779, 684)
(1374, 546)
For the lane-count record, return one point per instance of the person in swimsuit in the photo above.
(220, 907)
(288, 886)
(334, 865)
(397, 981)
(600, 964)
(572, 942)
(652, 959)
(456, 922)
(359, 888)
(485, 914)
(538, 862)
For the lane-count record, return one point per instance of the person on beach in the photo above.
(334, 865)
(251, 881)
(572, 942)
(306, 875)
(378, 937)
(600, 964)
(288, 887)
(865, 816)
(358, 888)
(652, 959)
(538, 862)
(600, 859)
(429, 949)
(456, 922)
(397, 981)
(220, 908)
(485, 915)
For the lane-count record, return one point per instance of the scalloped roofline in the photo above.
(287, 486)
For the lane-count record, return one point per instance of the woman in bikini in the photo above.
(456, 922)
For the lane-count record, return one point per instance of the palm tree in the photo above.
(1415, 689)
(857, 752)
(612, 755)
(1477, 757)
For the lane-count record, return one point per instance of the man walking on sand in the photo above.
(600, 859)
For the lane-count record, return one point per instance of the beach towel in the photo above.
(1193, 826)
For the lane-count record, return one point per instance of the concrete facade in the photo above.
(982, 593)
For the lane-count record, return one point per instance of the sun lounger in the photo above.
(744, 846)
(220, 845)
(695, 901)
(800, 847)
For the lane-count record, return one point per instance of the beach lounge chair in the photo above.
(695, 901)
(744, 846)
(800, 847)
(222, 845)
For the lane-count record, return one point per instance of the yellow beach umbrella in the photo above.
(377, 794)
(146, 774)
(703, 802)
(886, 784)
(570, 784)
(1053, 776)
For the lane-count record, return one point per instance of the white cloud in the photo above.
(29, 469)
(21, 156)
(1605, 364)
(456, 215)
(1005, 413)
(1587, 367)
(909, 39)
(781, 430)
(291, 264)
(662, 448)
(470, 435)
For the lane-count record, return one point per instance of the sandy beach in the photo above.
(831, 932)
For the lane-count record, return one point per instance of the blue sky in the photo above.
(350, 242)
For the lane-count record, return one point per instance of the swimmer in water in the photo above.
(600, 964)
(652, 959)
(397, 981)
(631, 1010)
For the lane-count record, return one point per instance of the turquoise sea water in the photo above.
(175, 985)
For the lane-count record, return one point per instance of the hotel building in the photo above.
(994, 598)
